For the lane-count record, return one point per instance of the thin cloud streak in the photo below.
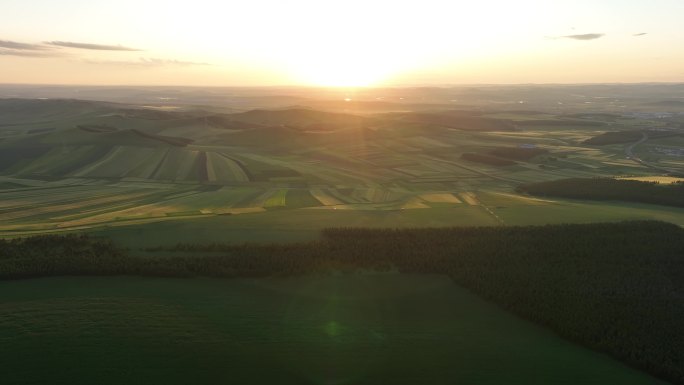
(33, 54)
(640, 34)
(22, 46)
(146, 63)
(95, 47)
(586, 36)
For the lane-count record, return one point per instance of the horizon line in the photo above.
(430, 85)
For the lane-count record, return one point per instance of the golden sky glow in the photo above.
(350, 43)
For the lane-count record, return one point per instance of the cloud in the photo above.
(22, 46)
(96, 47)
(586, 36)
(13, 48)
(52, 48)
(28, 53)
(640, 34)
(147, 63)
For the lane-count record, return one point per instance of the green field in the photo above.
(360, 329)
(105, 167)
(305, 225)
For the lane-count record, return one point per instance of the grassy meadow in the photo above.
(361, 329)
(121, 169)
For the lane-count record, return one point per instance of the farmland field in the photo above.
(181, 170)
(361, 329)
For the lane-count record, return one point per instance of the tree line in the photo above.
(609, 189)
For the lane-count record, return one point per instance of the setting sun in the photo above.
(351, 43)
(343, 73)
(347, 70)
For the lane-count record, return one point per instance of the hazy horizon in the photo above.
(315, 86)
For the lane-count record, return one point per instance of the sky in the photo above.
(340, 43)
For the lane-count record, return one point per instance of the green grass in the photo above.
(298, 198)
(277, 200)
(360, 329)
(290, 224)
(286, 225)
(368, 170)
(517, 212)
(10, 186)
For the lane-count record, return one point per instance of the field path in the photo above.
(238, 170)
(93, 166)
(471, 199)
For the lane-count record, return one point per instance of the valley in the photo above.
(71, 165)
